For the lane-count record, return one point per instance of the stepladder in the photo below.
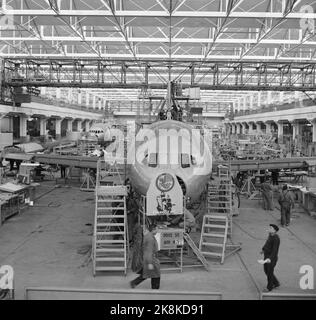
(110, 172)
(213, 240)
(219, 200)
(196, 250)
(110, 238)
(88, 182)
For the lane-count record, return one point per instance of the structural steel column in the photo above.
(226, 126)
(314, 129)
(251, 102)
(23, 127)
(269, 97)
(259, 128)
(42, 127)
(58, 128)
(58, 93)
(239, 104)
(87, 125)
(250, 125)
(235, 128)
(245, 103)
(79, 98)
(268, 127)
(280, 129)
(259, 99)
(69, 125)
(69, 95)
(79, 125)
(94, 102)
(87, 99)
(295, 126)
(238, 128)
(229, 127)
(281, 97)
(244, 128)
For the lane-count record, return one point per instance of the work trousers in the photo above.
(155, 282)
(267, 200)
(63, 172)
(272, 280)
(285, 215)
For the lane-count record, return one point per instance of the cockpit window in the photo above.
(153, 160)
(185, 160)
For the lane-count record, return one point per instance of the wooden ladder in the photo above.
(110, 238)
(213, 241)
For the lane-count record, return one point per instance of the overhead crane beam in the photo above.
(218, 75)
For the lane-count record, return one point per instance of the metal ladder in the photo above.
(214, 236)
(213, 241)
(196, 250)
(219, 200)
(110, 173)
(110, 238)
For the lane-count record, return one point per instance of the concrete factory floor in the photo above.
(47, 245)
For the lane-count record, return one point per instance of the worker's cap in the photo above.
(275, 227)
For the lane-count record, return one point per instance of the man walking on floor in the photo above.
(270, 252)
(150, 267)
(286, 203)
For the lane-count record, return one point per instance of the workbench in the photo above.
(309, 201)
(306, 197)
(13, 198)
(9, 206)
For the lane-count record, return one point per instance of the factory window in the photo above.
(185, 160)
(152, 161)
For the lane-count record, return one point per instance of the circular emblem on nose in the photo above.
(165, 182)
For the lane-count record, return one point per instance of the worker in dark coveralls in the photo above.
(286, 203)
(266, 191)
(150, 266)
(270, 252)
(275, 177)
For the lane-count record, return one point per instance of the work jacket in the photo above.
(266, 187)
(285, 199)
(271, 248)
(150, 252)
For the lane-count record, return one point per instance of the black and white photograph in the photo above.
(157, 155)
